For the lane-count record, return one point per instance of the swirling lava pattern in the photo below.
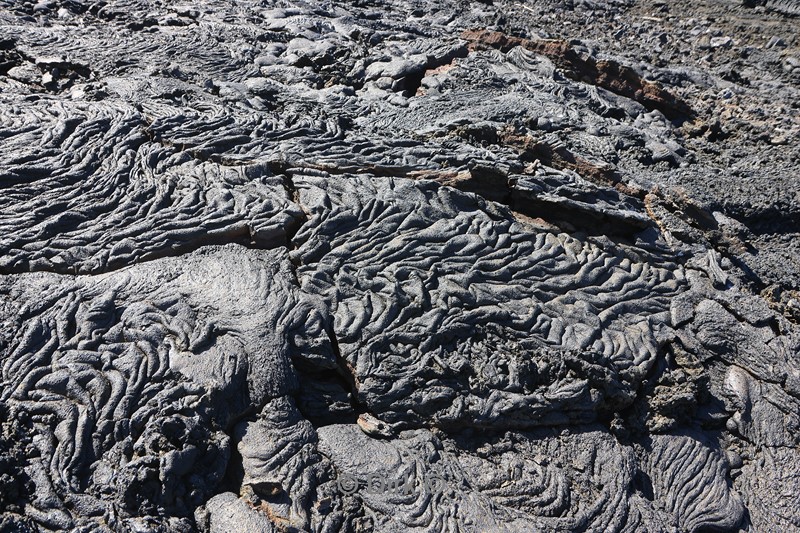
(447, 309)
(291, 266)
(105, 196)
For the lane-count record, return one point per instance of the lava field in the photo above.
(400, 266)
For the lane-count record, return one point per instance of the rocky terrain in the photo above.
(394, 265)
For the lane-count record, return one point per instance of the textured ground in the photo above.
(400, 266)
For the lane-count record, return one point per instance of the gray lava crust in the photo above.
(393, 265)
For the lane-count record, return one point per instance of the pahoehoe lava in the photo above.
(394, 265)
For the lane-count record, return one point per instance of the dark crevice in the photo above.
(294, 195)
(644, 485)
(328, 396)
(233, 477)
(346, 371)
(9, 56)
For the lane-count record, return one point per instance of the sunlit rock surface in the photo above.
(399, 266)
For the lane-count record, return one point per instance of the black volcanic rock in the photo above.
(399, 266)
